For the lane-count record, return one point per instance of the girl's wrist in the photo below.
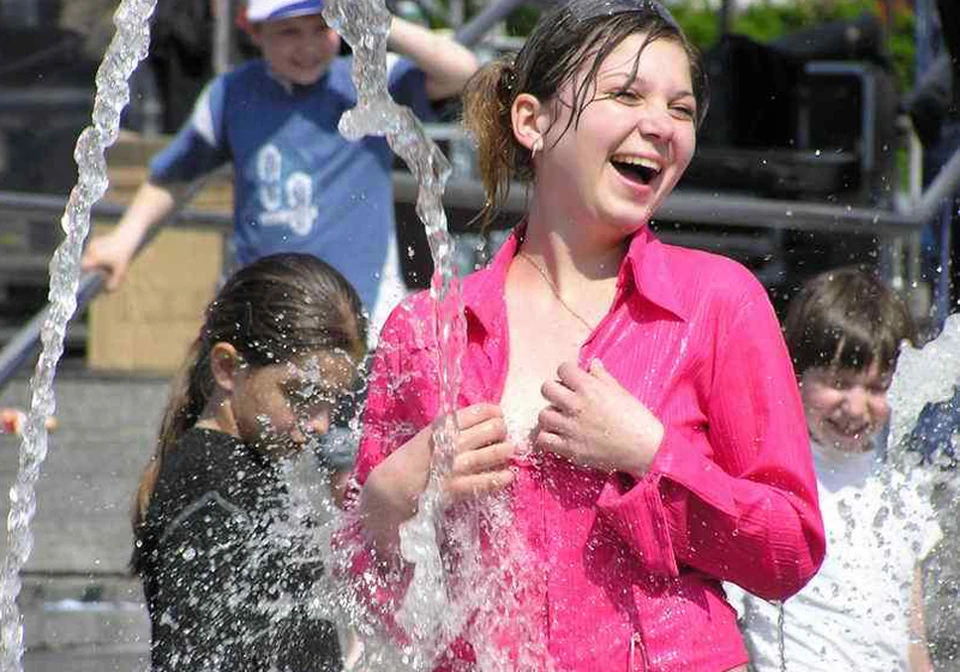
(647, 445)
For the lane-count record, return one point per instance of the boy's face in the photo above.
(845, 407)
(299, 48)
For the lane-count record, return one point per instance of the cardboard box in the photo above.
(149, 323)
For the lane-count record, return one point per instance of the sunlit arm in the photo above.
(447, 64)
(112, 253)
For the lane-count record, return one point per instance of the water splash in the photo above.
(128, 47)
(426, 614)
(923, 376)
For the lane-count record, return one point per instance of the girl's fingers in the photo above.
(560, 396)
(483, 459)
(571, 375)
(466, 487)
(553, 420)
(476, 414)
(490, 431)
(551, 442)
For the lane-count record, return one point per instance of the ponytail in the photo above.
(487, 101)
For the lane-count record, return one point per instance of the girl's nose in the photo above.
(318, 423)
(857, 401)
(655, 122)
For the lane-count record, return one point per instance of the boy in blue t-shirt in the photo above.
(298, 184)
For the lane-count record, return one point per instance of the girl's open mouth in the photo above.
(636, 168)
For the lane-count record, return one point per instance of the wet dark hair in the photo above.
(847, 319)
(276, 309)
(569, 35)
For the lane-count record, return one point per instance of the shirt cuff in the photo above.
(639, 514)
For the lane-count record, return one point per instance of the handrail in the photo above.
(681, 206)
(16, 352)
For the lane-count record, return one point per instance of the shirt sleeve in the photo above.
(408, 85)
(742, 505)
(388, 421)
(200, 146)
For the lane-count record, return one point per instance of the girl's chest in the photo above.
(539, 345)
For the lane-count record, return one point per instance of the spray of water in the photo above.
(128, 47)
(426, 614)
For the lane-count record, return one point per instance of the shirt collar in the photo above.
(483, 297)
(647, 265)
(644, 267)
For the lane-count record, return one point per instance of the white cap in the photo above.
(273, 10)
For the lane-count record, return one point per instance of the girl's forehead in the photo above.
(632, 49)
(874, 372)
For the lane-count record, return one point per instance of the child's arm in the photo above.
(918, 653)
(446, 64)
(113, 252)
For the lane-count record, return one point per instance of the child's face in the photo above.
(635, 137)
(280, 408)
(845, 407)
(299, 48)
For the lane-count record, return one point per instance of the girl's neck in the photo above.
(571, 251)
(218, 415)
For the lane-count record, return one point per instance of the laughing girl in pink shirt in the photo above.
(629, 404)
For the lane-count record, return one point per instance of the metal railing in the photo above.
(682, 206)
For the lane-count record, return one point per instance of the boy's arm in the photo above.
(918, 654)
(447, 64)
(113, 252)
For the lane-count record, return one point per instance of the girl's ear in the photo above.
(225, 362)
(529, 123)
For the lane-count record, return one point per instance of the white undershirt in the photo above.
(854, 614)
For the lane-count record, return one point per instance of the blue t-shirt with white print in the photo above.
(299, 186)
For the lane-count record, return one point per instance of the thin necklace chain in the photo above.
(555, 289)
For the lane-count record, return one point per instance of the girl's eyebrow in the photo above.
(683, 93)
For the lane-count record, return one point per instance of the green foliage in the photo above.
(521, 21)
(765, 21)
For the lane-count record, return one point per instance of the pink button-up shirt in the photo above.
(632, 568)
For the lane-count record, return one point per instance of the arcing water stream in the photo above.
(128, 47)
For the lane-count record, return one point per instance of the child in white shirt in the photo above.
(862, 611)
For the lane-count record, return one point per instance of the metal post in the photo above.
(726, 16)
(457, 13)
(222, 36)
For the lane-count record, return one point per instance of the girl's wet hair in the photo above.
(277, 309)
(576, 33)
(847, 319)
